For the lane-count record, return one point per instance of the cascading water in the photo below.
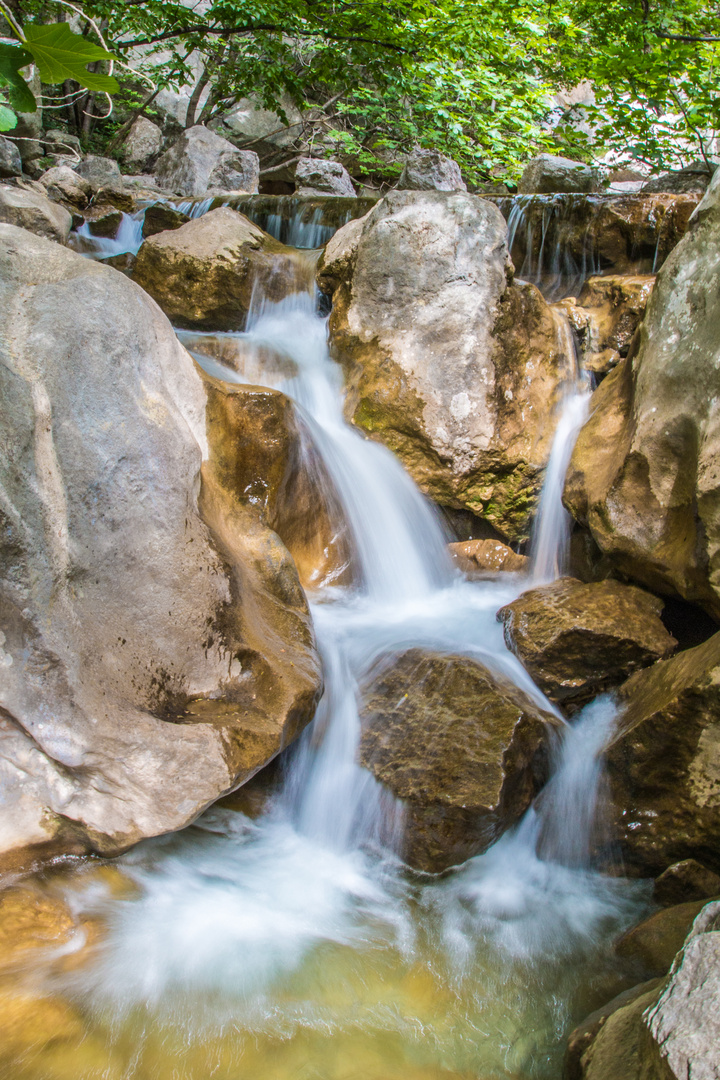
(297, 943)
(127, 239)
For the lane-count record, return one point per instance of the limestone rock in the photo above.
(142, 145)
(56, 141)
(577, 640)
(693, 178)
(643, 476)
(154, 654)
(29, 210)
(10, 160)
(615, 306)
(429, 170)
(547, 174)
(101, 172)
(203, 274)
(664, 762)
(201, 161)
(465, 752)
(487, 555)
(654, 943)
(314, 176)
(685, 881)
(162, 218)
(449, 362)
(64, 185)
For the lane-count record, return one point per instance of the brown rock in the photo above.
(465, 752)
(622, 1048)
(578, 640)
(489, 556)
(162, 218)
(664, 762)
(582, 1037)
(654, 942)
(31, 920)
(685, 881)
(203, 274)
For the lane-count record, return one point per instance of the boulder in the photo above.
(643, 476)
(653, 944)
(615, 307)
(578, 640)
(685, 881)
(36, 213)
(693, 178)
(448, 361)
(201, 162)
(101, 172)
(488, 556)
(64, 185)
(142, 145)
(56, 141)
(314, 176)
(548, 175)
(618, 1047)
(464, 750)
(664, 762)
(585, 1034)
(162, 218)
(156, 645)
(203, 274)
(429, 170)
(10, 160)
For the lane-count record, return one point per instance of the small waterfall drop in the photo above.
(126, 241)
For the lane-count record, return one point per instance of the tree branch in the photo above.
(684, 37)
(252, 28)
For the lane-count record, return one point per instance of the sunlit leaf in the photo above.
(60, 54)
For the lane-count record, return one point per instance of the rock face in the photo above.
(154, 655)
(449, 362)
(643, 476)
(684, 881)
(578, 640)
(608, 312)
(664, 762)
(202, 274)
(548, 175)
(693, 178)
(201, 161)
(489, 556)
(29, 210)
(100, 171)
(314, 176)
(653, 943)
(64, 185)
(429, 170)
(142, 145)
(10, 160)
(161, 218)
(463, 750)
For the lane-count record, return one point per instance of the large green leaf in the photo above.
(12, 58)
(8, 119)
(60, 54)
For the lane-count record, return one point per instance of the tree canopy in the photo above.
(476, 79)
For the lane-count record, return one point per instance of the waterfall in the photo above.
(127, 239)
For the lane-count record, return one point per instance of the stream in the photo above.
(282, 936)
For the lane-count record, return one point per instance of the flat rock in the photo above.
(29, 210)
(464, 750)
(577, 640)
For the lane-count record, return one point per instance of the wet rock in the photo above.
(615, 307)
(63, 185)
(693, 178)
(489, 556)
(664, 762)
(154, 654)
(56, 141)
(578, 640)
(10, 160)
(619, 1049)
(29, 210)
(548, 175)
(653, 944)
(314, 176)
(685, 881)
(643, 476)
(449, 362)
(203, 274)
(30, 921)
(105, 224)
(142, 145)
(429, 170)
(161, 218)
(585, 1034)
(464, 750)
(101, 172)
(201, 161)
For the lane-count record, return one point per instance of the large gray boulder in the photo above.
(29, 210)
(201, 162)
(156, 648)
(643, 477)
(64, 185)
(142, 145)
(314, 176)
(449, 362)
(101, 172)
(550, 175)
(10, 160)
(429, 170)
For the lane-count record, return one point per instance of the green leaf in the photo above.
(8, 119)
(60, 54)
(12, 58)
